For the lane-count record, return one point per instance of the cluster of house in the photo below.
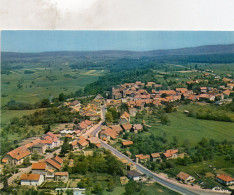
(39, 145)
(168, 154)
(90, 111)
(112, 131)
(137, 97)
(45, 170)
(77, 130)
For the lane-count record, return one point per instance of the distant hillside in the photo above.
(201, 50)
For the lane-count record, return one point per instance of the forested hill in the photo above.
(201, 50)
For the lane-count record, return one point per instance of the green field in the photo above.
(192, 129)
(7, 115)
(45, 83)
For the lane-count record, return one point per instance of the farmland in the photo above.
(41, 83)
(192, 129)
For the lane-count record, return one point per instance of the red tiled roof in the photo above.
(155, 155)
(83, 125)
(169, 153)
(61, 173)
(58, 159)
(47, 141)
(116, 128)
(4, 160)
(38, 166)
(142, 157)
(88, 122)
(127, 126)
(68, 135)
(108, 131)
(168, 92)
(137, 126)
(19, 153)
(125, 114)
(74, 143)
(31, 177)
(183, 176)
(225, 178)
(83, 141)
(53, 163)
(127, 143)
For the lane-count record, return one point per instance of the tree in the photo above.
(110, 185)
(109, 117)
(45, 103)
(61, 97)
(35, 156)
(97, 188)
(65, 147)
(26, 161)
(124, 107)
(164, 119)
(204, 142)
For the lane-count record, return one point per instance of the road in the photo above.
(175, 186)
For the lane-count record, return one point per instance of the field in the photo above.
(44, 83)
(7, 115)
(192, 129)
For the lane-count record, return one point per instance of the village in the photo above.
(95, 130)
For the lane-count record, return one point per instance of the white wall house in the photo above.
(32, 179)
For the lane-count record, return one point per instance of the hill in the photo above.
(201, 50)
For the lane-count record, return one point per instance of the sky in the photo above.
(41, 41)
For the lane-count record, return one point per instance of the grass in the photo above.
(193, 129)
(7, 115)
(45, 83)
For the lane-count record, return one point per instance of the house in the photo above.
(230, 85)
(156, 157)
(124, 118)
(17, 156)
(168, 92)
(39, 168)
(140, 158)
(74, 145)
(53, 137)
(108, 134)
(31, 179)
(132, 111)
(82, 143)
(61, 176)
(225, 179)
(226, 93)
(53, 164)
(137, 128)
(116, 128)
(185, 178)
(170, 154)
(127, 143)
(203, 89)
(48, 143)
(75, 105)
(205, 97)
(49, 175)
(39, 148)
(85, 125)
(127, 127)
(58, 160)
(94, 140)
(134, 175)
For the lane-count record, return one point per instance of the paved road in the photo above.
(17, 175)
(148, 172)
(163, 181)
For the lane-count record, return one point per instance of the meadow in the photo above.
(38, 83)
(189, 128)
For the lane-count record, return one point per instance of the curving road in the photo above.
(182, 189)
